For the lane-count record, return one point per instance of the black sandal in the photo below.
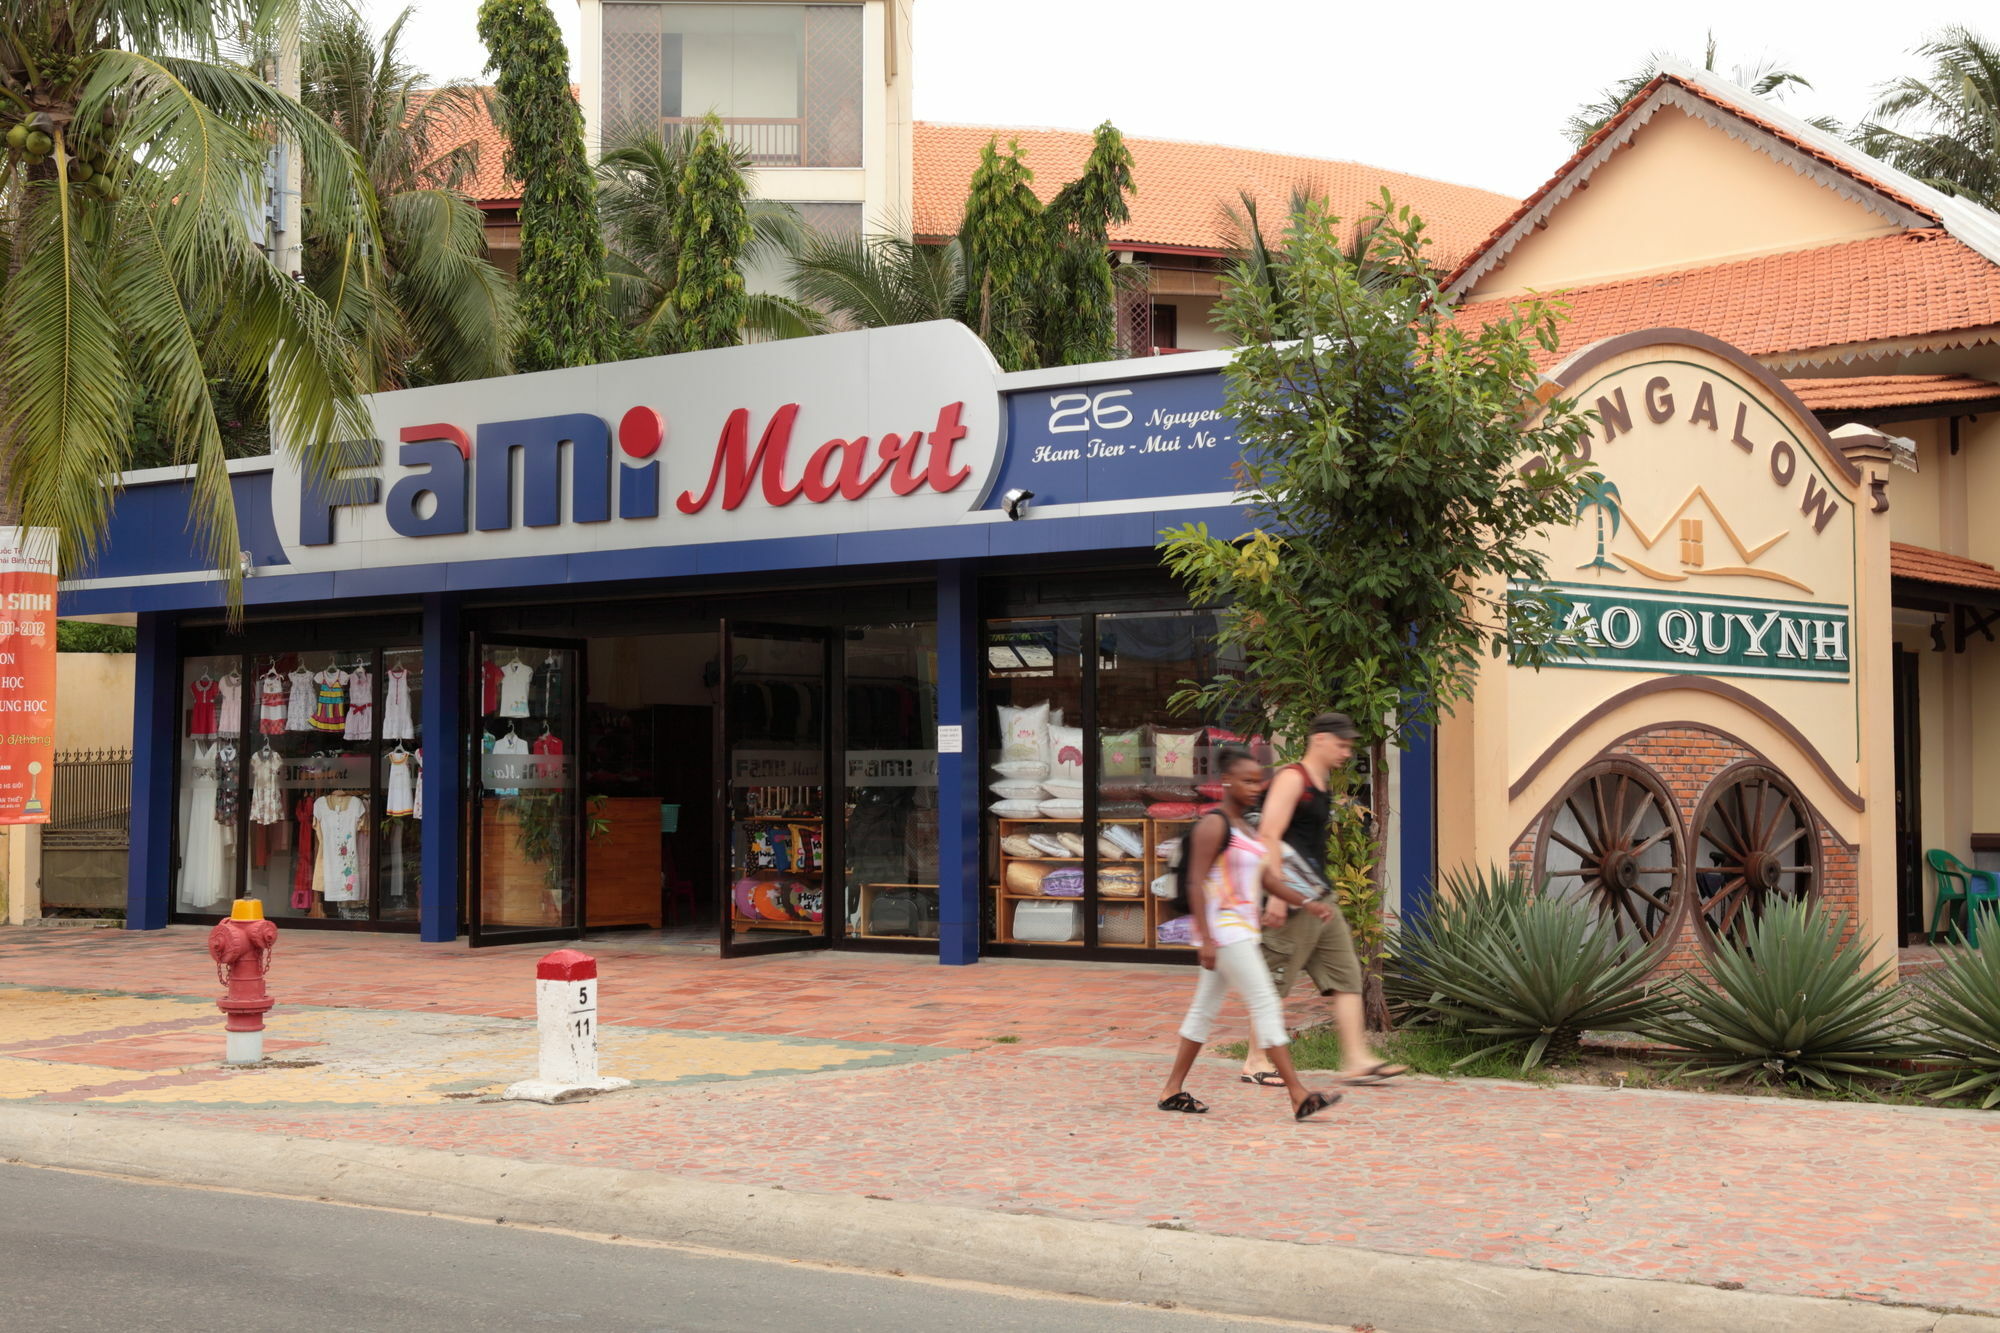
(1184, 1102)
(1380, 1073)
(1314, 1103)
(1270, 1078)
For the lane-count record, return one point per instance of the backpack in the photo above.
(1172, 883)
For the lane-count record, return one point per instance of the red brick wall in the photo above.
(1686, 757)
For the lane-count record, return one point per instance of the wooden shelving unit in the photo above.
(1006, 900)
(739, 869)
(1157, 909)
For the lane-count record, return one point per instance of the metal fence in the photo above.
(91, 802)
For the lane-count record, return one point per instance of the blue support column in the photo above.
(149, 870)
(958, 774)
(444, 767)
(1418, 870)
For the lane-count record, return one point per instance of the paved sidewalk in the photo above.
(873, 1076)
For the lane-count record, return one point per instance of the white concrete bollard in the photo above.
(566, 1013)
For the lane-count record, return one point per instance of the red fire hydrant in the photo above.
(241, 948)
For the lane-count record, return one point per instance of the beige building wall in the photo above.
(94, 701)
(1680, 194)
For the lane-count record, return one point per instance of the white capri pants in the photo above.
(1238, 967)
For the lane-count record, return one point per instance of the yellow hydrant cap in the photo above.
(246, 909)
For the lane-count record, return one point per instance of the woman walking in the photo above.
(1298, 813)
(1225, 870)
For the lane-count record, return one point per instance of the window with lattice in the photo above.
(1691, 542)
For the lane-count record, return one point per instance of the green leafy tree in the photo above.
(1082, 326)
(675, 208)
(1006, 255)
(1396, 493)
(83, 636)
(1943, 127)
(130, 273)
(1766, 78)
(561, 281)
(427, 307)
(872, 282)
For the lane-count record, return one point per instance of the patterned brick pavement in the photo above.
(1823, 1199)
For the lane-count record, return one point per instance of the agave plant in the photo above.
(1790, 1002)
(1500, 961)
(1960, 1012)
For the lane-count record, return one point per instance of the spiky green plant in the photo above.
(1522, 969)
(1959, 1014)
(1789, 1002)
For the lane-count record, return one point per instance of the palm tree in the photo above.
(1766, 78)
(1258, 260)
(427, 306)
(1953, 142)
(130, 272)
(661, 205)
(1601, 496)
(872, 282)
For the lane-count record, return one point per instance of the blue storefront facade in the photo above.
(849, 641)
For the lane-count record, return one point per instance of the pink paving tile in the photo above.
(169, 1051)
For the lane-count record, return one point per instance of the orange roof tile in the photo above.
(1896, 286)
(1928, 566)
(1863, 393)
(1180, 188)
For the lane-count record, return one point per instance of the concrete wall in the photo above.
(93, 701)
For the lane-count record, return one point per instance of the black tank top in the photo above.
(1312, 817)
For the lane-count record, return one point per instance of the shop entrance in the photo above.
(751, 784)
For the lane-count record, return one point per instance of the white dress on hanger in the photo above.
(400, 798)
(229, 707)
(202, 870)
(266, 806)
(338, 831)
(514, 680)
(299, 711)
(360, 698)
(397, 722)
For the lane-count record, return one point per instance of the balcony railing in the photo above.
(770, 141)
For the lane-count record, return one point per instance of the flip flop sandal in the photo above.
(1270, 1078)
(1314, 1103)
(1381, 1073)
(1185, 1103)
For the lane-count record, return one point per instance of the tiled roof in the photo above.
(1898, 286)
(1928, 566)
(1180, 188)
(1869, 392)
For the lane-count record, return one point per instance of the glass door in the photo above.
(529, 820)
(774, 826)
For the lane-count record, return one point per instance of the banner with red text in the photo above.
(27, 673)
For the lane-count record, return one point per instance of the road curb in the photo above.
(1228, 1274)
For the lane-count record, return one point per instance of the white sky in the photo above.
(1468, 92)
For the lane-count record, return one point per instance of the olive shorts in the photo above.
(1322, 950)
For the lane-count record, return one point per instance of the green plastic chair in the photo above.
(1958, 884)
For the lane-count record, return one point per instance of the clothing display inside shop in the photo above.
(229, 706)
(400, 798)
(338, 871)
(266, 806)
(360, 705)
(204, 862)
(330, 700)
(299, 709)
(397, 722)
(201, 718)
(271, 703)
(515, 678)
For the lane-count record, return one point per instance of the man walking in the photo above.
(1298, 813)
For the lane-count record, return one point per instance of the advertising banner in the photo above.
(27, 673)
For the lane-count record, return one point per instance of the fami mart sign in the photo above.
(1628, 629)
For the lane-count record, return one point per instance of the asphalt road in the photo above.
(80, 1254)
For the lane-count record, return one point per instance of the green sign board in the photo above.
(1627, 629)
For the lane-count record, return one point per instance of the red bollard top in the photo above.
(566, 965)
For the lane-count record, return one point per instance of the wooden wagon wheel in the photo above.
(1756, 840)
(1614, 837)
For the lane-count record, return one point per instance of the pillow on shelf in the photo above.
(1169, 791)
(1180, 930)
(1019, 844)
(1119, 882)
(1071, 844)
(1024, 733)
(1173, 753)
(1064, 882)
(1173, 810)
(1125, 790)
(1062, 790)
(1016, 791)
(1121, 809)
(1123, 836)
(1048, 844)
(1066, 748)
(1107, 850)
(1209, 791)
(1122, 753)
(1061, 809)
(1033, 770)
(1026, 876)
(1015, 809)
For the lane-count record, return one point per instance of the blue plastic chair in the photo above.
(1958, 884)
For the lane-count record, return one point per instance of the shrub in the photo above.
(1789, 1001)
(1960, 1010)
(1519, 968)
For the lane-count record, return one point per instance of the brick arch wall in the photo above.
(1687, 757)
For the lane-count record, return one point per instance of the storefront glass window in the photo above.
(890, 771)
(400, 708)
(1035, 851)
(1153, 762)
(207, 830)
(527, 764)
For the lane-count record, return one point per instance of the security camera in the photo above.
(1015, 503)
